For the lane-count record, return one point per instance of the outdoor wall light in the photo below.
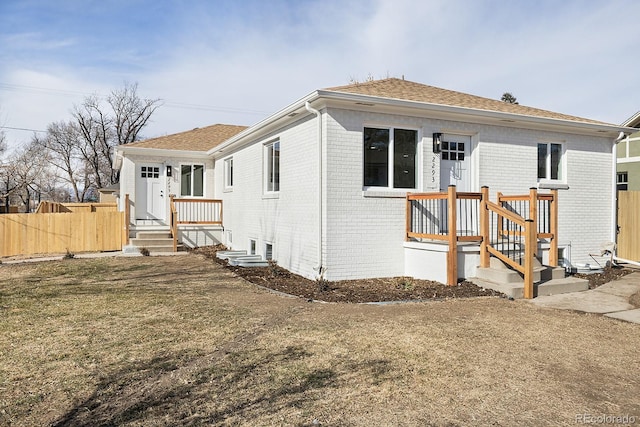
(168, 170)
(437, 141)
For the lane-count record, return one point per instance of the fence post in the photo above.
(529, 242)
(407, 227)
(127, 219)
(484, 227)
(452, 255)
(553, 224)
(533, 215)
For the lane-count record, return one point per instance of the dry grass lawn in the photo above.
(181, 341)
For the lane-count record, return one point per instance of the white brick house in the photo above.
(321, 184)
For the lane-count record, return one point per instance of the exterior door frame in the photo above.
(150, 191)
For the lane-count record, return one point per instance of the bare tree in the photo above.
(104, 128)
(23, 175)
(62, 144)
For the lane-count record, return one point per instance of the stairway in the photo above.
(241, 259)
(155, 241)
(546, 280)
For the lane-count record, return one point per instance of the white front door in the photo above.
(150, 201)
(455, 162)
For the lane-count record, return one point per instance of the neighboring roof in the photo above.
(410, 91)
(633, 121)
(198, 139)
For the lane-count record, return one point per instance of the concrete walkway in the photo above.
(610, 299)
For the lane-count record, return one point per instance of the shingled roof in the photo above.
(198, 139)
(410, 91)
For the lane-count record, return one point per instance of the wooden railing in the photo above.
(504, 235)
(543, 210)
(506, 228)
(193, 211)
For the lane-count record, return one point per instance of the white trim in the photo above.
(228, 174)
(266, 147)
(264, 247)
(548, 182)
(628, 159)
(253, 251)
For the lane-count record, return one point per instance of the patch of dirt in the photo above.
(374, 290)
(608, 274)
(350, 291)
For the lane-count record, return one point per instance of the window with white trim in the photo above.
(268, 251)
(192, 180)
(228, 173)
(272, 167)
(390, 159)
(622, 181)
(253, 246)
(550, 161)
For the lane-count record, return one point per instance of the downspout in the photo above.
(319, 268)
(614, 190)
(614, 180)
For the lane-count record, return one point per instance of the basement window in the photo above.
(268, 251)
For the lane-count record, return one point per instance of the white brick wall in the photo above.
(364, 232)
(289, 221)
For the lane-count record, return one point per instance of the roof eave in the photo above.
(162, 152)
(288, 113)
(507, 119)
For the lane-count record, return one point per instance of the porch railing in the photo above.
(504, 229)
(193, 211)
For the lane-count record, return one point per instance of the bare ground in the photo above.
(183, 341)
(374, 290)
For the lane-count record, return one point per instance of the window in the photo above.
(192, 180)
(550, 161)
(390, 153)
(452, 150)
(228, 173)
(149, 172)
(253, 244)
(622, 181)
(272, 167)
(268, 251)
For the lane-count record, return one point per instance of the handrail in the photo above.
(174, 223)
(429, 217)
(198, 211)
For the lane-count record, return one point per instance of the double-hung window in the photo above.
(272, 167)
(550, 161)
(622, 181)
(192, 180)
(228, 173)
(390, 157)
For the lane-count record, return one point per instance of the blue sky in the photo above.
(238, 61)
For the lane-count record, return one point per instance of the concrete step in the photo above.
(230, 254)
(151, 242)
(551, 287)
(236, 260)
(499, 272)
(163, 234)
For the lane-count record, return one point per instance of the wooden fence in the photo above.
(629, 225)
(54, 207)
(52, 233)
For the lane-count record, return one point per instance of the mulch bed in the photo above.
(372, 290)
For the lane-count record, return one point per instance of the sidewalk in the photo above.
(610, 299)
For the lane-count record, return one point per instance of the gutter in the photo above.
(319, 268)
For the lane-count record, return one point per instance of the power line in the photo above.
(169, 103)
(25, 129)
